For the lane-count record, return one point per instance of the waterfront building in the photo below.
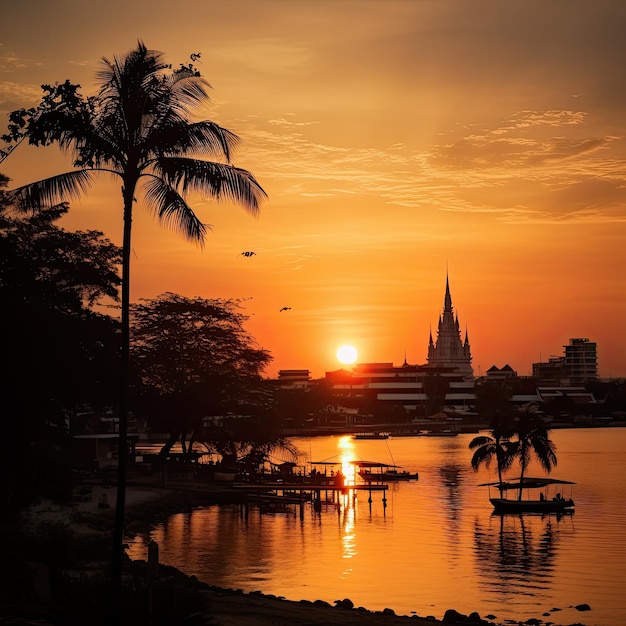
(294, 379)
(578, 365)
(501, 373)
(448, 350)
(551, 372)
(419, 389)
(581, 360)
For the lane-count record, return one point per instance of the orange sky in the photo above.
(395, 139)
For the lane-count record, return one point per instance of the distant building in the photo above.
(578, 366)
(449, 351)
(496, 373)
(294, 379)
(419, 389)
(550, 373)
(581, 360)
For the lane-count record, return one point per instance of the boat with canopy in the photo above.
(531, 495)
(372, 471)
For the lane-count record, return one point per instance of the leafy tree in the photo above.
(532, 440)
(139, 128)
(58, 352)
(246, 441)
(192, 358)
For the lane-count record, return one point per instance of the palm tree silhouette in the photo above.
(532, 440)
(497, 446)
(139, 128)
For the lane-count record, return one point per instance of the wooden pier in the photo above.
(277, 495)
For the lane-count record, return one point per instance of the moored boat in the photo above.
(522, 503)
(372, 471)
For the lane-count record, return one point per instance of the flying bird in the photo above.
(248, 253)
(285, 308)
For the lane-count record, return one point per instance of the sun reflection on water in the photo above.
(346, 457)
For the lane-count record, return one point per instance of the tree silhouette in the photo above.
(138, 128)
(497, 446)
(192, 358)
(59, 353)
(532, 440)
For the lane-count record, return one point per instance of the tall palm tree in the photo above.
(139, 128)
(532, 440)
(497, 446)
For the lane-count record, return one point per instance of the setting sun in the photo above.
(347, 355)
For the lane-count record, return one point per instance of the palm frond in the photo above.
(217, 180)
(188, 91)
(171, 209)
(480, 441)
(201, 139)
(51, 191)
(484, 455)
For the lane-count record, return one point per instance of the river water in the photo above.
(427, 545)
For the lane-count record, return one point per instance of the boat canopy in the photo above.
(371, 464)
(325, 463)
(527, 483)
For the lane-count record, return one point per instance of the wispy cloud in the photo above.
(477, 171)
(15, 95)
(11, 63)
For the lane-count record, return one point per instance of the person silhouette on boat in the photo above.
(339, 479)
(558, 497)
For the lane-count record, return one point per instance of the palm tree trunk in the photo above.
(499, 463)
(522, 472)
(118, 531)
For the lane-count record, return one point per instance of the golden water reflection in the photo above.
(434, 544)
(523, 548)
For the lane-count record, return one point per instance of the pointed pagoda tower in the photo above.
(448, 350)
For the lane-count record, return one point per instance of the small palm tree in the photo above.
(497, 446)
(138, 128)
(532, 440)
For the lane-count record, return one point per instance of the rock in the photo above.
(346, 603)
(453, 617)
(582, 607)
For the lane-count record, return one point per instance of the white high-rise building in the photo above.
(581, 360)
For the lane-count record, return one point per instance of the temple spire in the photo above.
(448, 349)
(447, 303)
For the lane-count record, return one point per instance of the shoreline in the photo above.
(234, 607)
(146, 510)
(149, 503)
